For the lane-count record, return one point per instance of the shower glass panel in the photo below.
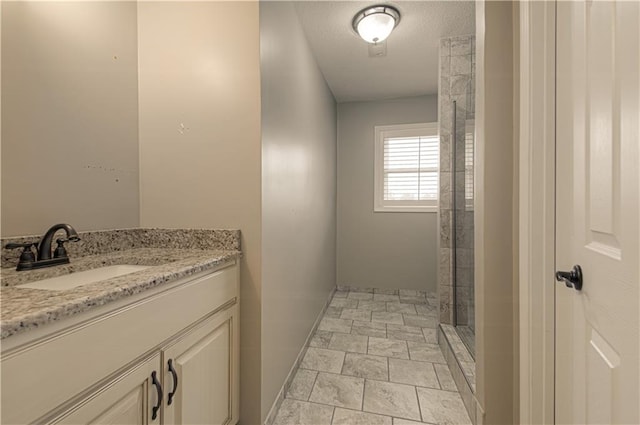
(463, 191)
(456, 112)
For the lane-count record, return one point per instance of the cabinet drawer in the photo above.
(45, 374)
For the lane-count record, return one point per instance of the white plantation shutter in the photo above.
(469, 139)
(411, 168)
(407, 158)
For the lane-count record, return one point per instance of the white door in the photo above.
(597, 214)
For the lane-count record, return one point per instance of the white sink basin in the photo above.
(73, 280)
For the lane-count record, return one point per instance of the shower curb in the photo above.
(465, 382)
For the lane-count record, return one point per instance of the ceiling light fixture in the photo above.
(374, 24)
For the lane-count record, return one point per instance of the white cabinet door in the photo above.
(597, 210)
(204, 366)
(129, 399)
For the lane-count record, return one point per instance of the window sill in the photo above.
(421, 209)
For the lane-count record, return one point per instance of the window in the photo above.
(469, 142)
(406, 168)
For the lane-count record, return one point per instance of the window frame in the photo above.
(401, 130)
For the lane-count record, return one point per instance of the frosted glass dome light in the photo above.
(374, 24)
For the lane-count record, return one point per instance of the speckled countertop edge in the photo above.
(24, 309)
(95, 242)
(172, 253)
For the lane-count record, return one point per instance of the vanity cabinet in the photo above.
(205, 352)
(111, 366)
(129, 399)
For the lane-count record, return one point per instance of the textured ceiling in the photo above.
(410, 67)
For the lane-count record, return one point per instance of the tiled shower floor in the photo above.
(374, 360)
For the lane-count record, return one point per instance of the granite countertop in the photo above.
(25, 308)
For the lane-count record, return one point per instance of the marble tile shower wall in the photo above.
(457, 83)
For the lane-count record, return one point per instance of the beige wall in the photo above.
(199, 68)
(494, 243)
(298, 193)
(515, 20)
(381, 250)
(1, 125)
(69, 109)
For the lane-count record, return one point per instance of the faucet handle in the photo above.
(61, 251)
(15, 245)
(60, 241)
(27, 255)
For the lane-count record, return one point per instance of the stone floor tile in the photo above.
(398, 421)
(343, 303)
(376, 329)
(426, 310)
(383, 316)
(412, 372)
(395, 307)
(391, 399)
(386, 297)
(430, 335)
(442, 407)
(425, 352)
(404, 328)
(360, 296)
(338, 390)
(335, 325)
(385, 291)
(352, 417)
(337, 353)
(334, 312)
(302, 384)
(372, 305)
(320, 339)
(388, 348)
(419, 299)
(366, 366)
(294, 412)
(405, 336)
(356, 314)
(323, 360)
(361, 290)
(405, 333)
(421, 321)
(444, 376)
(349, 342)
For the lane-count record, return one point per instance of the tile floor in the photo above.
(374, 360)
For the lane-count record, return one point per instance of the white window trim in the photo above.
(408, 130)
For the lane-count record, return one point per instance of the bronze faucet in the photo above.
(29, 261)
